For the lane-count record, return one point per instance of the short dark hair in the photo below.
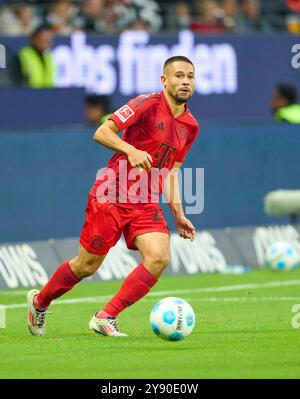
(287, 91)
(40, 29)
(177, 58)
(97, 100)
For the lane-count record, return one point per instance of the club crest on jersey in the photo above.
(124, 113)
(97, 242)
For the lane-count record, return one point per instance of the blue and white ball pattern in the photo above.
(282, 256)
(172, 319)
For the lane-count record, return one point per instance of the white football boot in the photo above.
(35, 318)
(107, 327)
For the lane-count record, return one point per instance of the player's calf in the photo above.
(86, 264)
(83, 269)
(135, 286)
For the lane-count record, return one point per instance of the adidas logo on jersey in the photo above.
(160, 126)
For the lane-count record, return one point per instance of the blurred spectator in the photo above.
(293, 19)
(294, 5)
(95, 16)
(129, 11)
(293, 24)
(275, 12)
(208, 19)
(177, 18)
(17, 20)
(228, 14)
(284, 103)
(97, 109)
(139, 24)
(36, 62)
(250, 19)
(60, 16)
(114, 16)
(183, 16)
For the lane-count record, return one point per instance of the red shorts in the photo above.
(105, 223)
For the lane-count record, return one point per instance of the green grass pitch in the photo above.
(242, 331)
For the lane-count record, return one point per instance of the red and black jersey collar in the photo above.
(168, 108)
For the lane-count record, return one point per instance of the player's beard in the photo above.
(181, 100)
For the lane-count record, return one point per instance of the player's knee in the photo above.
(157, 262)
(165, 259)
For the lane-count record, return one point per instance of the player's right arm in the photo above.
(106, 135)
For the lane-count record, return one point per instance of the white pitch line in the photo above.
(15, 292)
(66, 301)
(244, 299)
(225, 288)
(236, 287)
(271, 284)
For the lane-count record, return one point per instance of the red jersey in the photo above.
(149, 125)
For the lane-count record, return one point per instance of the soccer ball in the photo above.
(172, 319)
(282, 256)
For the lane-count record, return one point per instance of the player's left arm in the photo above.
(171, 191)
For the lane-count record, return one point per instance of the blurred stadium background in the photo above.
(91, 56)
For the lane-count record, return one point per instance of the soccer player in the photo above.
(158, 132)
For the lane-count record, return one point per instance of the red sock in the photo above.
(61, 281)
(135, 286)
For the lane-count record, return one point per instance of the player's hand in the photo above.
(185, 228)
(139, 159)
